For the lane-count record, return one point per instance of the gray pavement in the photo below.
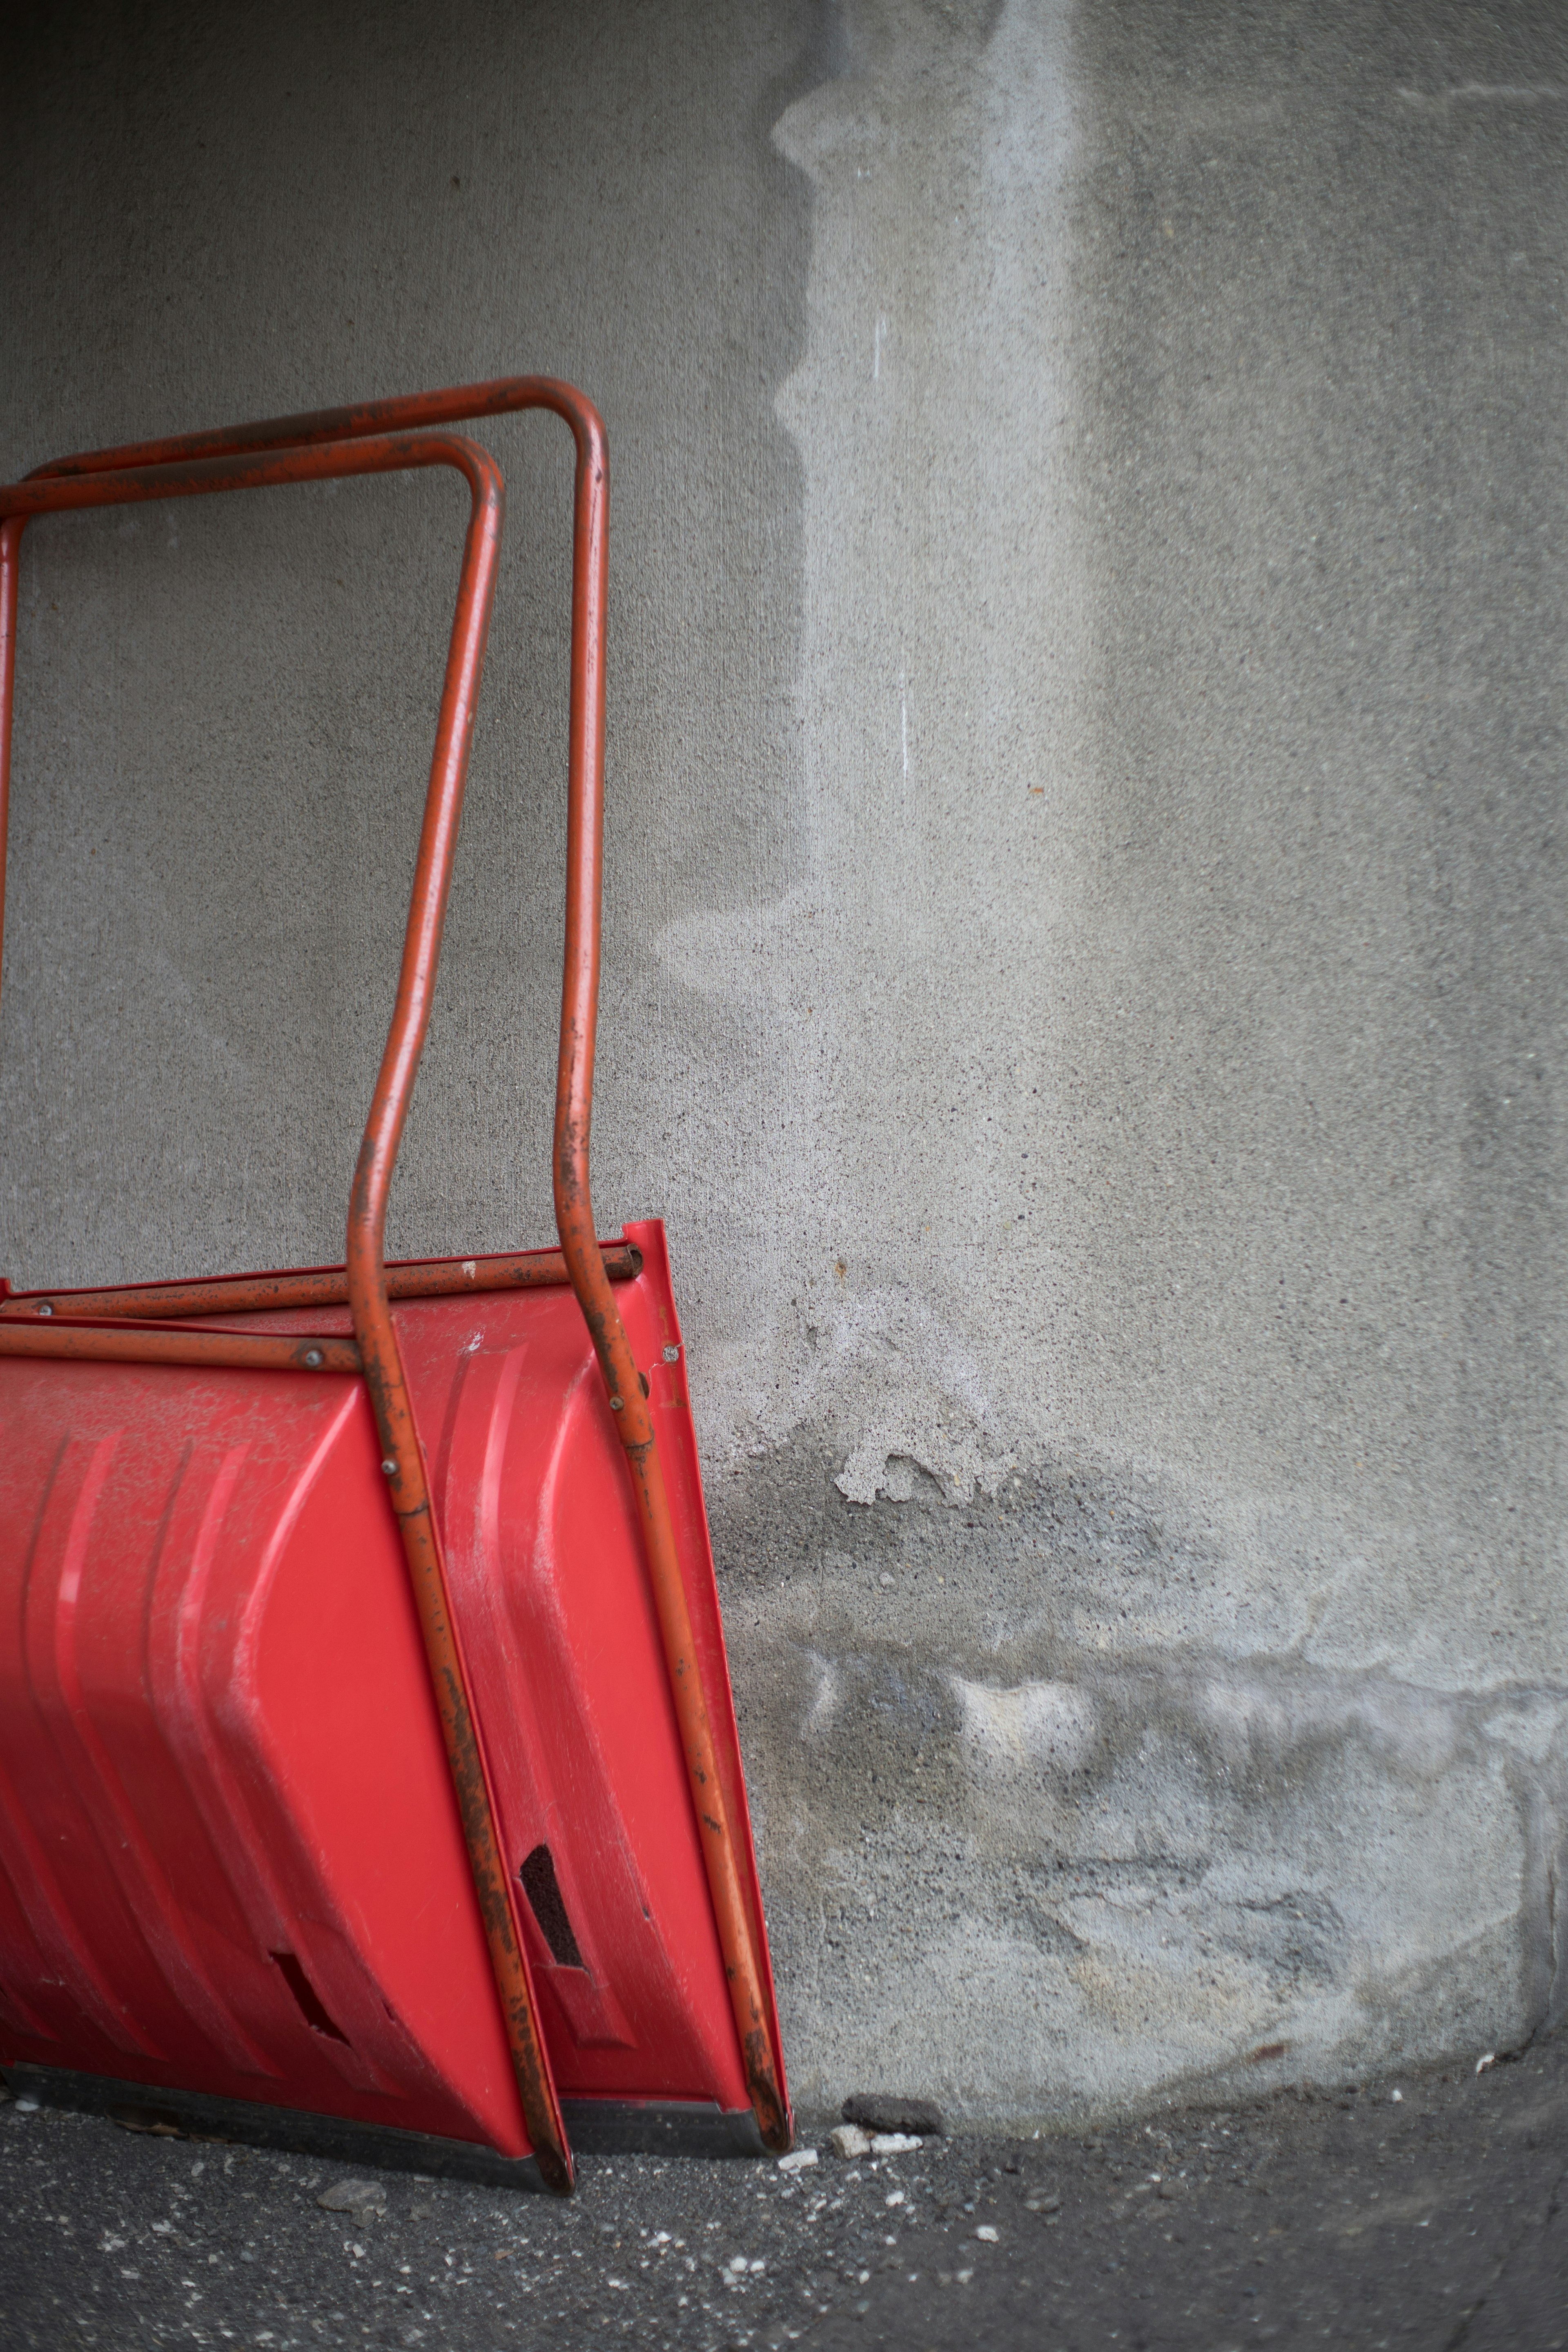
(1425, 2210)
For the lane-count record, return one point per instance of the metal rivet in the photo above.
(46, 1308)
(390, 1467)
(312, 1356)
(615, 1405)
(672, 1355)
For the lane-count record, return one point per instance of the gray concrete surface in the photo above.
(1428, 2213)
(1084, 968)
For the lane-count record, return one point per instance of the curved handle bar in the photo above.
(300, 436)
(586, 777)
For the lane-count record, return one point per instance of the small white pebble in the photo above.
(893, 2143)
(894, 2197)
(737, 2263)
(986, 2233)
(1396, 2096)
(1481, 2063)
(27, 2106)
(797, 2160)
(849, 2140)
(963, 2277)
(757, 2267)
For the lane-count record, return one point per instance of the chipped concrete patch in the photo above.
(1008, 1730)
(1103, 1871)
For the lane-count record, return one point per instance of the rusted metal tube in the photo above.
(402, 1456)
(248, 1351)
(245, 1294)
(460, 404)
(574, 1220)
(262, 469)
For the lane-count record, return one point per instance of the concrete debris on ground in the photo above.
(157, 2121)
(353, 2196)
(849, 2140)
(1309, 2218)
(882, 2112)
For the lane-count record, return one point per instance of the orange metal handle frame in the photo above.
(574, 1080)
(377, 1350)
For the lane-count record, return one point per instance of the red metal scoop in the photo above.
(369, 1777)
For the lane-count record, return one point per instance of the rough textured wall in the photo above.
(1085, 972)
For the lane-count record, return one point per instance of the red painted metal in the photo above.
(664, 1494)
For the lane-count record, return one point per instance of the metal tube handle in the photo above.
(402, 1459)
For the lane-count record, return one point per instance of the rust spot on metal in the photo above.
(773, 2117)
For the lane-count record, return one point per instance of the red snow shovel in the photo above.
(369, 1777)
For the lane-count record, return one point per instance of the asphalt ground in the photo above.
(1436, 2217)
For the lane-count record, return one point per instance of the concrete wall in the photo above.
(1085, 970)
